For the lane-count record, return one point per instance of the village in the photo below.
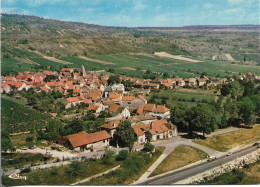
(97, 93)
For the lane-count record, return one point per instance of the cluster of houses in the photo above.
(149, 121)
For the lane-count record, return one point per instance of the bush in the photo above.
(54, 171)
(26, 170)
(122, 155)
(29, 139)
(148, 147)
(109, 157)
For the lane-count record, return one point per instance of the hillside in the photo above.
(29, 42)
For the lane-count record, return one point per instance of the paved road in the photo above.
(193, 170)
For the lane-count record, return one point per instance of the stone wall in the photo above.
(225, 168)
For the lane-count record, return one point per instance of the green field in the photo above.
(177, 96)
(18, 118)
(132, 64)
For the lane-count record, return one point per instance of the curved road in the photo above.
(194, 170)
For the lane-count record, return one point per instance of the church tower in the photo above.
(84, 75)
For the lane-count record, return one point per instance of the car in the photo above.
(257, 143)
(33, 147)
(229, 153)
(212, 158)
(23, 148)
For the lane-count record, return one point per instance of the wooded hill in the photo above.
(60, 38)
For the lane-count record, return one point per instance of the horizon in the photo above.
(143, 13)
(3, 13)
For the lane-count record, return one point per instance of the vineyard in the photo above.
(19, 118)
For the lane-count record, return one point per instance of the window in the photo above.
(104, 141)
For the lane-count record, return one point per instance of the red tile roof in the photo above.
(43, 88)
(114, 96)
(113, 108)
(158, 126)
(161, 109)
(111, 125)
(142, 98)
(140, 110)
(9, 78)
(138, 131)
(76, 91)
(82, 138)
(128, 98)
(18, 84)
(149, 107)
(93, 107)
(50, 84)
(72, 99)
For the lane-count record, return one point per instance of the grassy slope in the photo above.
(181, 156)
(19, 159)
(231, 140)
(58, 175)
(121, 176)
(18, 118)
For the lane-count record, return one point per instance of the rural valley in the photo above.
(84, 104)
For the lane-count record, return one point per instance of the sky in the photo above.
(136, 13)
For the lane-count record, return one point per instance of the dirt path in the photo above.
(229, 57)
(177, 57)
(27, 61)
(128, 68)
(142, 54)
(95, 60)
(52, 58)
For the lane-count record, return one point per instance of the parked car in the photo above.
(23, 148)
(32, 147)
(229, 153)
(257, 143)
(212, 158)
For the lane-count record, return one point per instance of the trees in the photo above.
(113, 79)
(225, 90)
(148, 147)
(178, 117)
(246, 111)
(125, 134)
(249, 89)
(122, 155)
(201, 119)
(6, 143)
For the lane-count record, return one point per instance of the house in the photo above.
(192, 82)
(119, 88)
(97, 108)
(115, 97)
(201, 81)
(111, 127)
(119, 114)
(180, 82)
(148, 108)
(133, 102)
(159, 130)
(5, 88)
(86, 142)
(10, 78)
(72, 102)
(139, 134)
(162, 111)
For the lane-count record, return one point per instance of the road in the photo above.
(179, 175)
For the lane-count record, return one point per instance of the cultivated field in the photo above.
(16, 117)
